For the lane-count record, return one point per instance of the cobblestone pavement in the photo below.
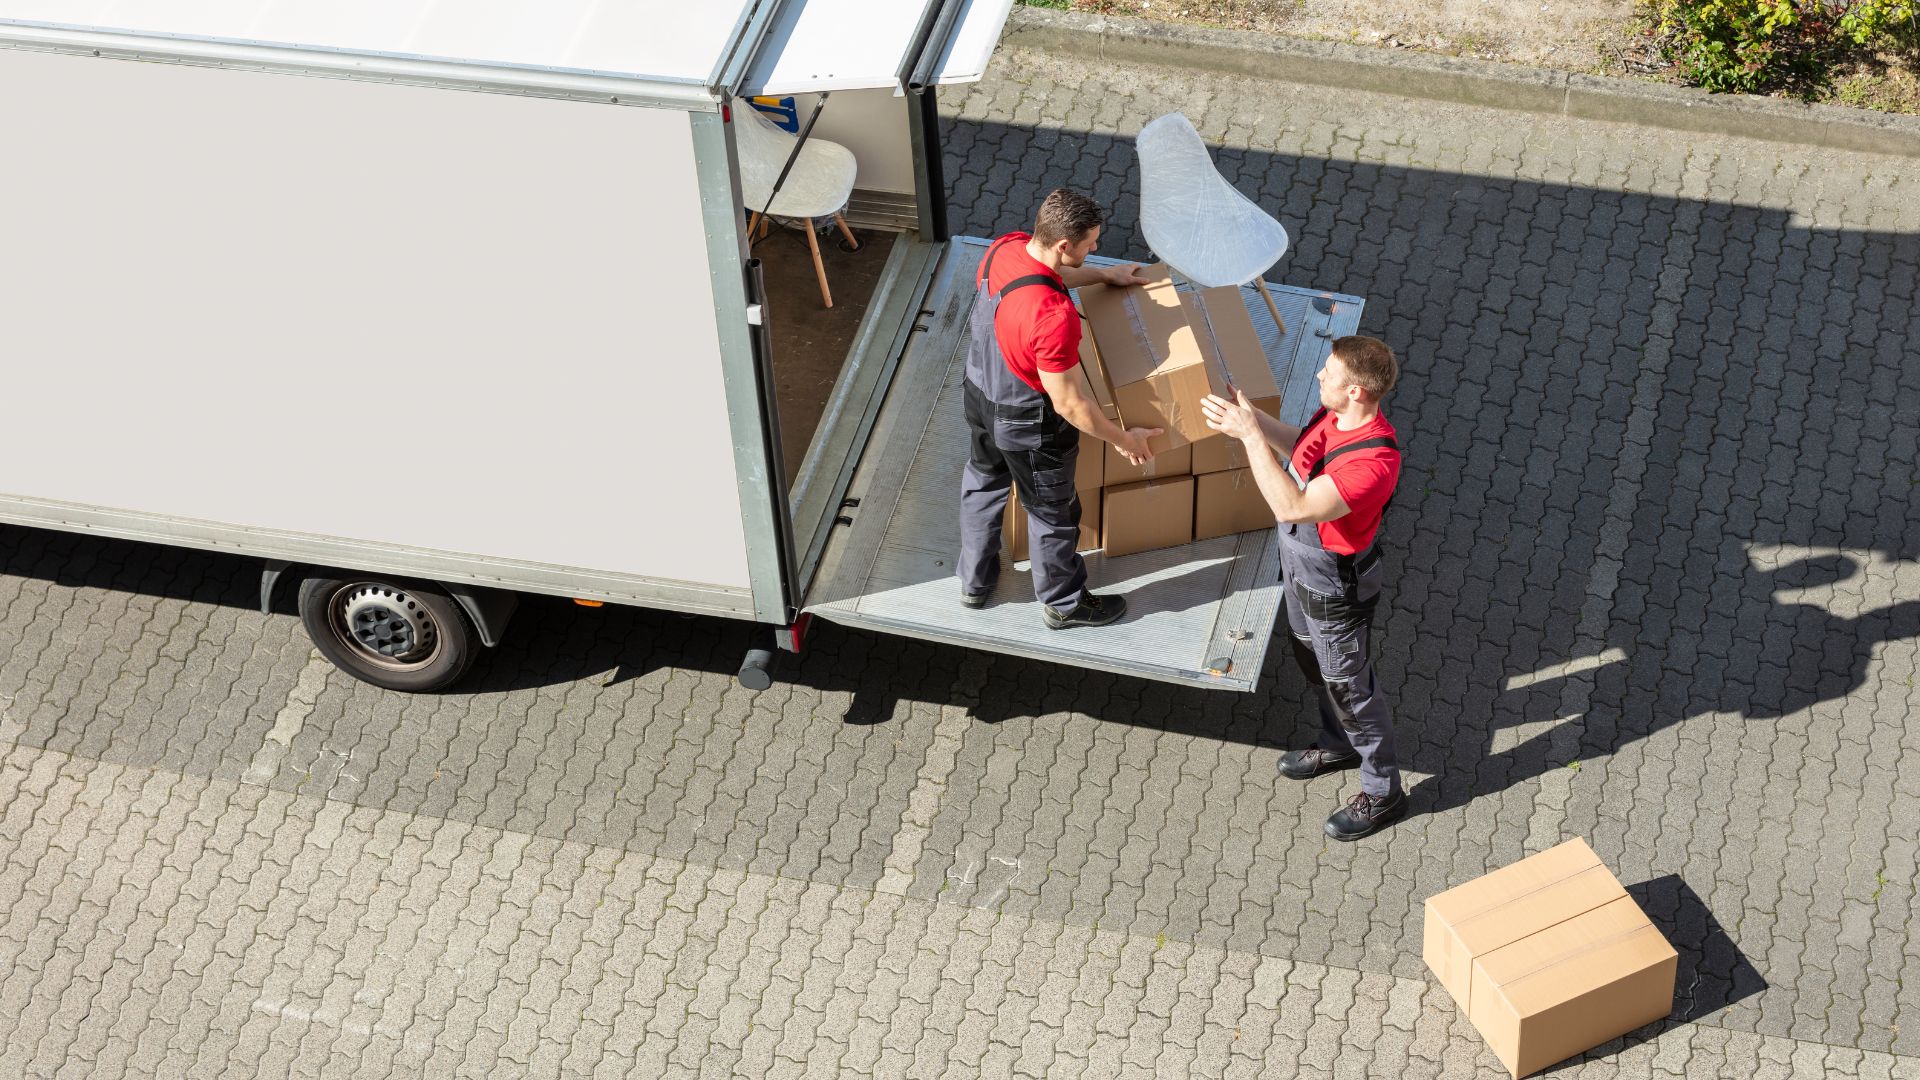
(1655, 585)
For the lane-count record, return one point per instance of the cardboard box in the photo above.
(1253, 376)
(1147, 515)
(1225, 503)
(1117, 470)
(1163, 350)
(1095, 373)
(1549, 957)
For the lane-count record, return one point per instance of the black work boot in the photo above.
(1366, 814)
(1311, 762)
(1090, 611)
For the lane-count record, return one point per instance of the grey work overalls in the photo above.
(1330, 602)
(1017, 440)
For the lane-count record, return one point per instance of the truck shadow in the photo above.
(1523, 313)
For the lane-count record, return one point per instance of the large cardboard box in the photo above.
(1253, 376)
(1225, 503)
(1164, 350)
(1099, 384)
(1549, 957)
(1147, 515)
(1117, 470)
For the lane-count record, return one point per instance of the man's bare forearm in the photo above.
(1087, 417)
(1075, 276)
(1279, 436)
(1283, 496)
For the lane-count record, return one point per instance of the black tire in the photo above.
(394, 633)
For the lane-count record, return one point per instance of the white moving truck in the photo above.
(431, 303)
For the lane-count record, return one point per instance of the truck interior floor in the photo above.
(1199, 614)
(811, 340)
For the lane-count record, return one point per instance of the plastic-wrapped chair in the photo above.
(1197, 222)
(818, 186)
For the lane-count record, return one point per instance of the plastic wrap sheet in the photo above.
(1192, 218)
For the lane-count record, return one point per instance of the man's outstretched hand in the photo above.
(1135, 449)
(1233, 418)
(1123, 275)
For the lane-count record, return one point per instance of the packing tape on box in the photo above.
(1540, 888)
(1592, 947)
(1130, 301)
(1212, 346)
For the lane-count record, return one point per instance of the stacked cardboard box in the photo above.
(1549, 957)
(1150, 354)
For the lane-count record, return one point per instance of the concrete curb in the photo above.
(1470, 82)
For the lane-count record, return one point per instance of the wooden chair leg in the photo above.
(753, 227)
(846, 232)
(813, 242)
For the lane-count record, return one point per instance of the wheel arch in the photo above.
(490, 609)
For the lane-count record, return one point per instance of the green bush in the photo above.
(1893, 22)
(1751, 46)
(1764, 46)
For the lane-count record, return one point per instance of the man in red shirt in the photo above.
(1348, 462)
(1026, 408)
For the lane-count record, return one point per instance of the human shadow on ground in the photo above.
(1526, 315)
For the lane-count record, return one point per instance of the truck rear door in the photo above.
(1202, 614)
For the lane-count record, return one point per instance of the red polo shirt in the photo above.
(1038, 328)
(1364, 478)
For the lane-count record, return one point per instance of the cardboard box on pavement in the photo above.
(1549, 957)
(1225, 503)
(1163, 351)
(1147, 515)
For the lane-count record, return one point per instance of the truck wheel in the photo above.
(395, 634)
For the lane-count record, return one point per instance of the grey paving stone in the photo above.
(606, 860)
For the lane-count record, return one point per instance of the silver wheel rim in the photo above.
(387, 627)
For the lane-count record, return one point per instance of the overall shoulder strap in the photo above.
(1320, 466)
(1033, 279)
(986, 268)
(1364, 444)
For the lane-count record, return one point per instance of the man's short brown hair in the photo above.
(1369, 362)
(1066, 215)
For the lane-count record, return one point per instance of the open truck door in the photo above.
(1202, 614)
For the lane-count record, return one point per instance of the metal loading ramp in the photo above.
(892, 568)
